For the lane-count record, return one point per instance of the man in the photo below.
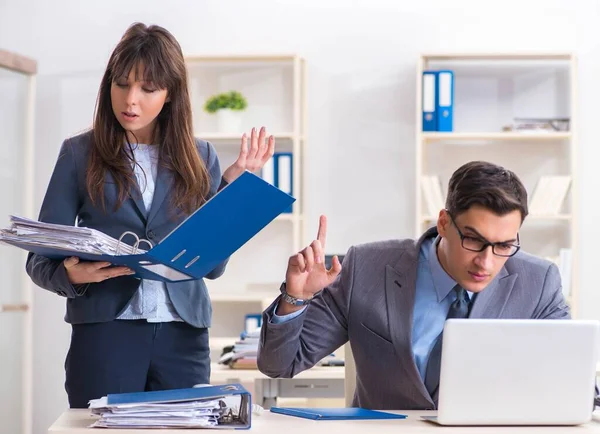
(392, 297)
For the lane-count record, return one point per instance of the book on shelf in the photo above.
(278, 171)
(432, 194)
(549, 195)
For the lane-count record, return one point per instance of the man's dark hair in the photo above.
(488, 185)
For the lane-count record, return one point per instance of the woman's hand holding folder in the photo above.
(92, 272)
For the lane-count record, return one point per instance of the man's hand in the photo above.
(306, 273)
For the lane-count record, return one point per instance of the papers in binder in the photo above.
(197, 246)
(68, 238)
(226, 406)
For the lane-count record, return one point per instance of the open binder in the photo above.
(227, 406)
(205, 239)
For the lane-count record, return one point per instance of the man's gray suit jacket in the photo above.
(371, 305)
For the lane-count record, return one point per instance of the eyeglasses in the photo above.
(474, 244)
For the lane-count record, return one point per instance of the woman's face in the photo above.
(137, 104)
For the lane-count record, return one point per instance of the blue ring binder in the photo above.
(189, 252)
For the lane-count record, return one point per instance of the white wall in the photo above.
(361, 65)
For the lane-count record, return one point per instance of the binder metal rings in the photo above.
(138, 240)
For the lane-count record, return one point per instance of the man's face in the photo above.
(475, 270)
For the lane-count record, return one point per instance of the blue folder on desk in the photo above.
(235, 408)
(336, 413)
(205, 239)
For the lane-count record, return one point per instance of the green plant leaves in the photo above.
(232, 100)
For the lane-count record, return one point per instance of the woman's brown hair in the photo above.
(154, 48)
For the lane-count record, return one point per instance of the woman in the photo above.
(139, 169)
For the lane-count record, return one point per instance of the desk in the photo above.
(317, 382)
(76, 422)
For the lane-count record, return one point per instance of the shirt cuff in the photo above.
(277, 319)
(222, 185)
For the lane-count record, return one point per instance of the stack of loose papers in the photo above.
(70, 239)
(201, 406)
(244, 351)
(187, 414)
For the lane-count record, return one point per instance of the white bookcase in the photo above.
(274, 86)
(17, 108)
(490, 90)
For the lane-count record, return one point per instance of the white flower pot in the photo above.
(229, 121)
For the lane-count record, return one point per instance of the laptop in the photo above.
(517, 372)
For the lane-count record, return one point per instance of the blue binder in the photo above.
(177, 395)
(284, 173)
(428, 100)
(336, 413)
(445, 100)
(252, 321)
(244, 411)
(205, 239)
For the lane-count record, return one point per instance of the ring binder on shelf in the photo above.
(428, 99)
(194, 248)
(445, 100)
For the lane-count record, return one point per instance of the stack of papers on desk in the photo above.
(243, 354)
(198, 407)
(193, 414)
(71, 239)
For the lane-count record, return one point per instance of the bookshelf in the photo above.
(17, 107)
(232, 139)
(274, 86)
(490, 91)
(431, 137)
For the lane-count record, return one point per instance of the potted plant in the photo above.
(228, 107)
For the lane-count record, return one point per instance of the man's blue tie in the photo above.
(458, 309)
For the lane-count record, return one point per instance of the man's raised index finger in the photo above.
(322, 234)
